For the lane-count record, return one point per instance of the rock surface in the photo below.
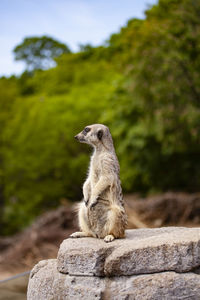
(143, 251)
(48, 283)
(150, 264)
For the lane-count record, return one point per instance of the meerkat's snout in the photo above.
(78, 137)
(84, 135)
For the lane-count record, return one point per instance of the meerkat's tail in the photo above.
(116, 221)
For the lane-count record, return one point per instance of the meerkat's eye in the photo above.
(87, 129)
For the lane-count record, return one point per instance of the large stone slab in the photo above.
(143, 251)
(47, 283)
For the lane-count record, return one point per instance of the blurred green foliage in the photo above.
(144, 84)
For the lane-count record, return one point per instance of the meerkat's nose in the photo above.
(76, 137)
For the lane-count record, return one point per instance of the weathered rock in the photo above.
(47, 283)
(89, 268)
(143, 251)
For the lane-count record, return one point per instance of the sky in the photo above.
(73, 22)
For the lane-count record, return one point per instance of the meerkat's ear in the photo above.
(100, 134)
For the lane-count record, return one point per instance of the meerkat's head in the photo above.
(95, 135)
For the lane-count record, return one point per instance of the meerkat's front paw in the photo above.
(93, 202)
(86, 201)
(109, 238)
(92, 205)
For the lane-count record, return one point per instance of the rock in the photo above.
(47, 283)
(143, 251)
(149, 264)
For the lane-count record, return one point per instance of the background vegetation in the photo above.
(144, 83)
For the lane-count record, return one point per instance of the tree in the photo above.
(39, 52)
(155, 112)
(8, 94)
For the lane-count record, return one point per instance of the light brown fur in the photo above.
(101, 214)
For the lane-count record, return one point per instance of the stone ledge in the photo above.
(144, 251)
(150, 264)
(47, 283)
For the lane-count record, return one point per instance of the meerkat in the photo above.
(101, 214)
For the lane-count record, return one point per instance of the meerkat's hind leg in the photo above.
(83, 223)
(80, 234)
(109, 238)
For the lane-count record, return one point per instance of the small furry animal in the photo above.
(101, 213)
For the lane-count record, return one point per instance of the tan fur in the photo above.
(101, 214)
